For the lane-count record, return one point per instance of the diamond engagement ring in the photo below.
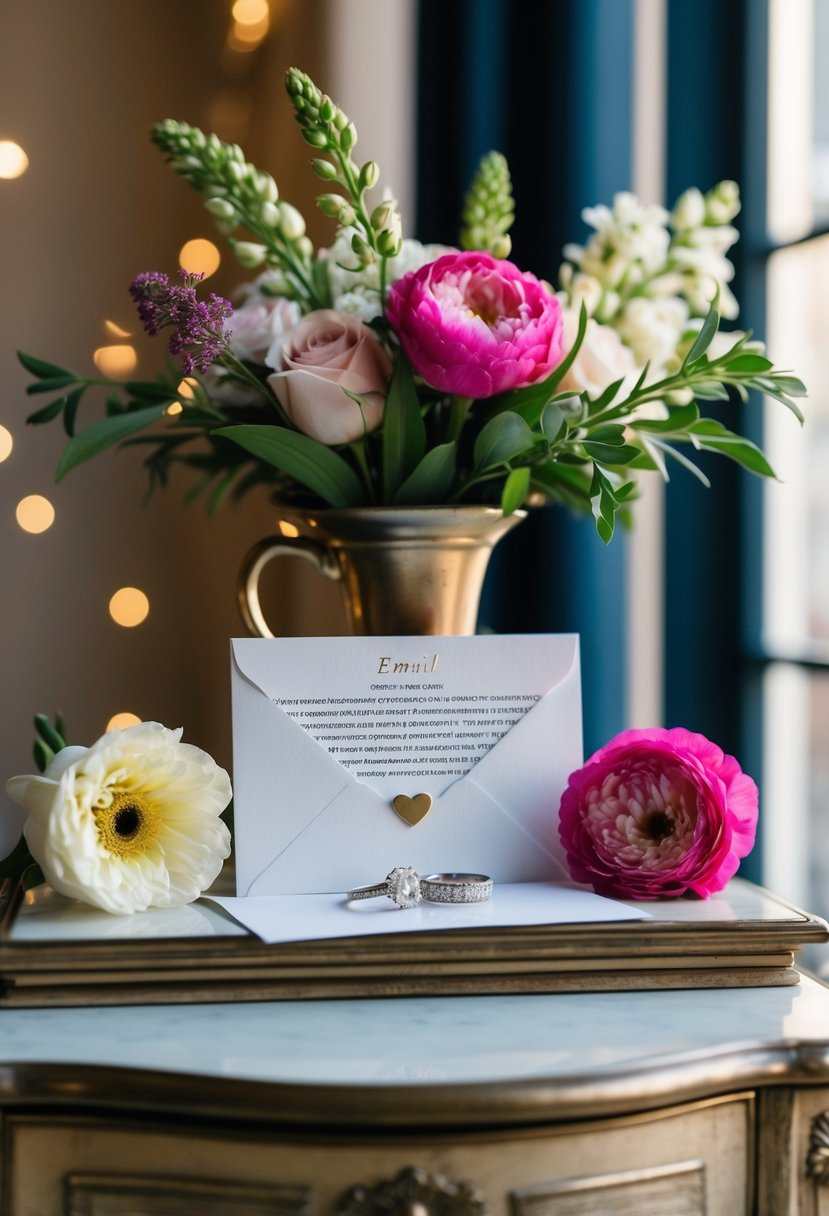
(406, 888)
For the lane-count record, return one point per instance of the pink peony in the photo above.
(656, 813)
(322, 359)
(472, 325)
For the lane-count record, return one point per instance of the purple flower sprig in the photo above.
(199, 336)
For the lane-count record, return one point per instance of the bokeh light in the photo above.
(6, 443)
(175, 407)
(288, 529)
(115, 361)
(13, 160)
(35, 513)
(115, 330)
(199, 256)
(250, 12)
(123, 720)
(129, 607)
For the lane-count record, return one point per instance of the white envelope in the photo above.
(304, 824)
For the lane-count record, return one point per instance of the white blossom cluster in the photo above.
(650, 274)
(357, 291)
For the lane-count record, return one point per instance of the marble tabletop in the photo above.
(433, 1040)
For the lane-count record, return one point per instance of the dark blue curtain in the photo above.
(717, 128)
(548, 83)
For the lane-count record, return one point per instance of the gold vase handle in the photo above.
(258, 558)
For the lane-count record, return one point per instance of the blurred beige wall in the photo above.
(80, 86)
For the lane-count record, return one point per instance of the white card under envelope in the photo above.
(328, 731)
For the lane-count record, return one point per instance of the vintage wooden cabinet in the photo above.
(666, 1102)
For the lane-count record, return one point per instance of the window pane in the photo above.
(792, 56)
(820, 163)
(796, 550)
(794, 815)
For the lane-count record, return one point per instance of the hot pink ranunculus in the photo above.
(326, 356)
(657, 813)
(475, 326)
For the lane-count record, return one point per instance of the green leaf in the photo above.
(553, 421)
(42, 755)
(70, 412)
(504, 436)
(705, 336)
(515, 490)
(150, 390)
(40, 368)
(552, 382)
(748, 363)
(432, 479)
(613, 454)
(603, 504)
(680, 458)
(48, 412)
(316, 466)
(680, 417)
(605, 398)
(404, 433)
(711, 436)
(49, 733)
(102, 434)
(49, 385)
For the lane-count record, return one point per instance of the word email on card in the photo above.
(354, 755)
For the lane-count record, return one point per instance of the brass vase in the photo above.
(408, 570)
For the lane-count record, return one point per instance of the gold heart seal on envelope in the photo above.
(412, 809)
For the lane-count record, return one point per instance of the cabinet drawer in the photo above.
(686, 1161)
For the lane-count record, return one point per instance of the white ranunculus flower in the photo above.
(653, 329)
(129, 823)
(602, 358)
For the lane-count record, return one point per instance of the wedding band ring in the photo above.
(455, 888)
(406, 888)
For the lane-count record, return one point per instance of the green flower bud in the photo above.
(500, 247)
(270, 214)
(317, 139)
(389, 243)
(326, 109)
(324, 170)
(381, 215)
(234, 171)
(369, 175)
(305, 247)
(249, 254)
(359, 246)
(330, 204)
(348, 137)
(347, 215)
(488, 208)
(292, 223)
(221, 208)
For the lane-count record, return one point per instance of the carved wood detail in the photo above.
(817, 1156)
(414, 1192)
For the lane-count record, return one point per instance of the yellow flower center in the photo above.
(127, 826)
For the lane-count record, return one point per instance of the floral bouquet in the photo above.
(380, 371)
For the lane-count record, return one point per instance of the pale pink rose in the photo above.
(657, 813)
(258, 323)
(475, 326)
(326, 353)
(603, 357)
